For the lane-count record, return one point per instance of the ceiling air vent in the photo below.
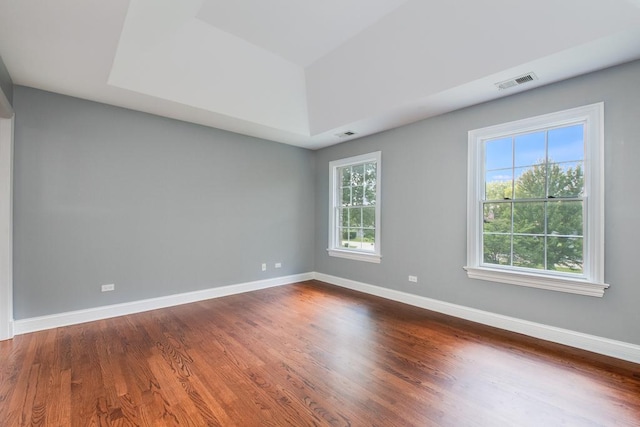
(345, 134)
(529, 77)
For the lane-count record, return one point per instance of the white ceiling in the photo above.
(299, 72)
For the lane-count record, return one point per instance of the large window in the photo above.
(536, 203)
(354, 217)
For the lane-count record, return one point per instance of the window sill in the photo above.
(358, 256)
(553, 283)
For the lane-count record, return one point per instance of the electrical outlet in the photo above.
(278, 265)
(264, 266)
(108, 288)
(413, 279)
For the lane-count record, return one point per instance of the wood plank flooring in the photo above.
(308, 354)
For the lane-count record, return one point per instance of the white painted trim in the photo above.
(590, 283)
(34, 324)
(334, 248)
(618, 349)
(605, 346)
(358, 256)
(6, 228)
(540, 281)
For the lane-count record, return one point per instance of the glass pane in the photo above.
(355, 217)
(531, 182)
(346, 197)
(358, 195)
(349, 236)
(530, 149)
(498, 154)
(496, 249)
(357, 175)
(370, 174)
(528, 251)
(566, 144)
(343, 217)
(344, 237)
(564, 218)
(369, 240)
(566, 179)
(357, 243)
(528, 218)
(497, 217)
(565, 254)
(498, 184)
(369, 195)
(345, 173)
(369, 217)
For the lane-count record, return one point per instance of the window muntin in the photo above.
(533, 200)
(355, 208)
(536, 202)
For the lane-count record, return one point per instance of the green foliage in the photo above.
(499, 190)
(357, 213)
(349, 235)
(358, 184)
(514, 231)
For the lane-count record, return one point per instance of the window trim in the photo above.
(591, 282)
(7, 129)
(334, 249)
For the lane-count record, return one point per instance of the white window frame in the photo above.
(591, 282)
(6, 224)
(334, 248)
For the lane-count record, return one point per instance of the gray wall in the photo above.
(424, 208)
(6, 84)
(156, 206)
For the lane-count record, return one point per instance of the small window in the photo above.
(536, 202)
(354, 217)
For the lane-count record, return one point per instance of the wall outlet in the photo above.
(278, 265)
(109, 287)
(413, 279)
(264, 266)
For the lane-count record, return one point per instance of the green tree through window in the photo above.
(535, 202)
(536, 220)
(354, 219)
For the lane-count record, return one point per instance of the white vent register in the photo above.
(525, 78)
(345, 134)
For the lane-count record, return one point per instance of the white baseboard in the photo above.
(34, 324)
(605, 346)
(7, 332)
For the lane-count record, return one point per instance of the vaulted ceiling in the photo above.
(299, 71)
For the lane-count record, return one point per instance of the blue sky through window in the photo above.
(565, 144)
(530, 149)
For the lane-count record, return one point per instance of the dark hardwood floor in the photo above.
(308, 354)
